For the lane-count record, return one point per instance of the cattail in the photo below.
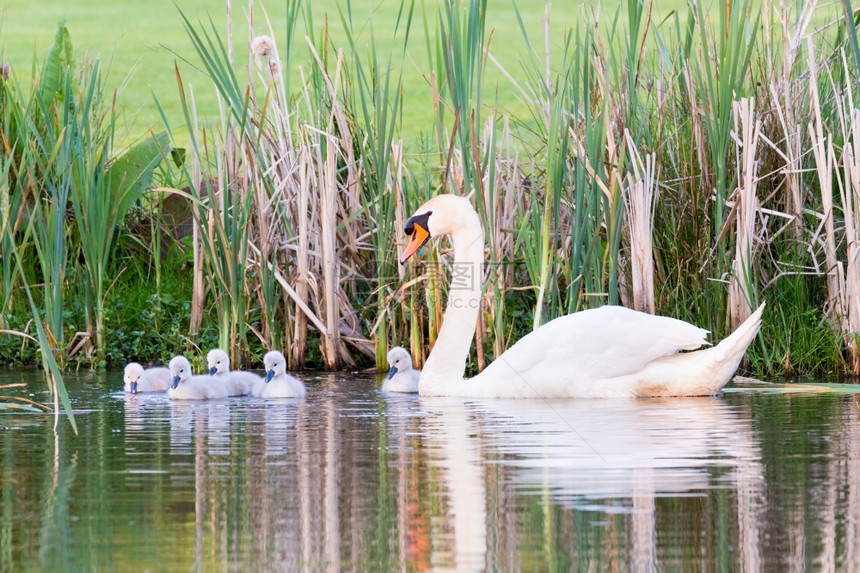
(275, 67)
(263, 46)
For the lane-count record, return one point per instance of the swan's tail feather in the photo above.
(735, 345)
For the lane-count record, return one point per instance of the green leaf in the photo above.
(131, 173)
(59, 58)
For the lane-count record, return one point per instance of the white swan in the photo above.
(188, 387)
(401, 377)
(137, 379)
(604, 352)
(278, 384)
(238, 382)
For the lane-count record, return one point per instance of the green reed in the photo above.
(11, 212)
(34, 187)
(577, 203)
(271, 218)
(222, 203)
(300, 190)
(50, 160)
(546, 187)
(265, 162)
(720, 65)
(38, 181)
(103, 189)
(378, 83)
(458, 63)
(53, 373)
(469, 145)
(720, 70)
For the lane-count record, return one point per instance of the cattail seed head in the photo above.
(263, 46)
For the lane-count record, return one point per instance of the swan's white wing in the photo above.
(596, 344)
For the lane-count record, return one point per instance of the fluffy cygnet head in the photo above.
(399, 360)
(275, 364)
(133, 372)
(218, 362)
(180, 368)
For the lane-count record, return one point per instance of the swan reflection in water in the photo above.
(581, 452)
(446, 482)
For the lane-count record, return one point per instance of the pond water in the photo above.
(351, 479)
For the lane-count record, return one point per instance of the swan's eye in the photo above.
(409, 229)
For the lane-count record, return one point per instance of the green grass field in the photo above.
(141, 39)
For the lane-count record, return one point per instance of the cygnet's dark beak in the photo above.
(175, 382)
(269, 375)
(213, 371)
(134, 387)
(392, 372)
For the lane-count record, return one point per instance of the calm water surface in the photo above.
(350, 479)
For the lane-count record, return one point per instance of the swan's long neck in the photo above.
(447, 362)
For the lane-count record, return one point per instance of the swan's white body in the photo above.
(238, 382)
(600, 353)
(188, 387)
(277, 384)
(401, 377)
(146, 380)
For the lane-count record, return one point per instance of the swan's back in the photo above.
(608, 341)
(613, 351)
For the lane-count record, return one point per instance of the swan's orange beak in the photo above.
(419, 236)
(417, 227)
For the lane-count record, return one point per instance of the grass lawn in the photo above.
(140, 40)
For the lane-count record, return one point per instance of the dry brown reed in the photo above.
(639, 191)
(850, 195)
(553, 202)
(742, 290)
